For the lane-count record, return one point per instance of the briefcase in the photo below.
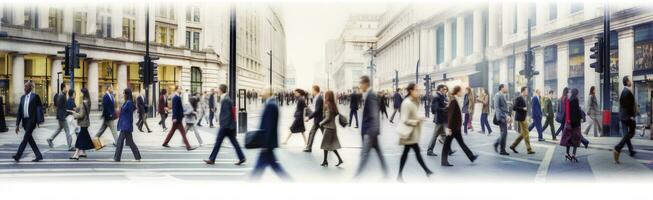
(342, 120)
(254, 139)
(97, 144)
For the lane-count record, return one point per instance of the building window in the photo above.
(469, 34)
(551, 72)
(532, 13)
(196, 14)
(188, 13)
(128, 29)
(31, 17)
(196, 41)
(644, 48)
(454, 31)
(165, 10)
(55, 19)
(103, 25)
(7, 14)
(195, 80)
(80, 23)
(165, 35)
(553, 10)
(188, 36)
(576, 7)
(439, 44)
(576, 67)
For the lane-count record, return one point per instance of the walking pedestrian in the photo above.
(502, 119)
(593, 113)
(142, 112)
(227, 128)
(330, 140)
(163, 109)
(29, 112)
(439, 110)
(521, 110)
(454, 120)
(396, 104)
(627, 112)
(83, 141)
(560, 114)
(297, 125)
(61, 114)
(468, 108)
(354, 103)
(383, 104)
(126, 127)
(316, 116)
(484, 99)
(536, 115)
(411, 119)
(571, 136)
(549, 114)
(177, 120)
(269, 125)
(108, 114)
(212, 107)
(370, 126)
(191, 115)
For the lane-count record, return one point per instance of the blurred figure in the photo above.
(203, 107)
(212, 109)
(316, 116)
(521, 110)
(354, 103)
(571, 135)
(330, 140)
(190, 111)
(627, 112)
(484, 99)
(125, 126)
(269, 126)
(227, 128)
(439, 110)
(454, 125)
(561, 110)
(177, 120)
(83, 141)
(370, 126)
(414, 121)
(298, 124)
(60, 102)
(549, 114)
(536, 115)
(468, 108)
(163, 109)
(396, 101)
(593, 113)
(142, 112)
(3, 123)
(27, 113)
(383, 104)
(108, 114)
(501, 118)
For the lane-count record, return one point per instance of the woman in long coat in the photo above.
(410, 118)
(571, 136)
(330, 140)
(298, 122)
(83, 141)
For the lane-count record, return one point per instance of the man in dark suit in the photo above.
(521, 110)
(354, 103)
(370, 129)
(27, 113)
(549, 113)
(177, 120)
(316, 116)
(627, 113)
(211, 107)
(502, 116)
(227, 128)
(536, 114)
(396, 104)
(108, 114)
(142, 112)
(269, 131)
(60, 103)
(439, 110)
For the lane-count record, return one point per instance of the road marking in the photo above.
(508, 157)
(543, 170)
(119, 173)
(110, 161)
(124, 170)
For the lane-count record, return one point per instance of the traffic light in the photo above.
(74, 48)
(148, 70)
(66, 60)
(143, 72)
(529, 67)
(597, 52)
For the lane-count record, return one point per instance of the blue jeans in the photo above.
(485, 123)
(266, 158)
(537, 124)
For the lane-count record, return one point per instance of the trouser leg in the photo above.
(130, 142)
(234, 142)
(218, 142)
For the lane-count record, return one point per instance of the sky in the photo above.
(308, 27)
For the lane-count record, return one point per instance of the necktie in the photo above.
(26, 106)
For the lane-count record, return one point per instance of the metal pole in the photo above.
(607, 103)
(529, 62)
(147, 55)
(371, 65)
(232, 52)
(72, 65)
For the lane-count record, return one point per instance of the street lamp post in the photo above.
(371, 67)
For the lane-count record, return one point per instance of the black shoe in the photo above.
(192, 148)
(567, 157)
(165, 145)
(573, 158)
(513, 149)
(37, 159)
(74, 158)
(632, 153)
(50, 143)
(473, 158)
(452, 152)
(586, 144)
(531, 152)
(431, 154)
(16, 158)
(307, 150)
(339, 163)
(541, 140)
(504, 153)
(240, 162)
(209, 162)
(324, 164)
(83, 156)
(446, 165)
(141, 130)
(429, 173)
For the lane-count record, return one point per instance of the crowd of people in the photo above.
(452, 115)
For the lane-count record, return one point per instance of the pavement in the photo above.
(176, 164)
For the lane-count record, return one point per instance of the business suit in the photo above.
(627, 115)
(520, 109)
(62, 113)
(177, 122)
(439, 110)
(536, 114)
(354, 102)
(317, 118)
(211, 109)
(27, 114)
(108, 116)
(455, 117)
(163, 104)
(383, 105)
(396, 101)
(142, 114)
(125, 126)
(370, 127)
(227, 128)
(549, 114)
(269, 131)
(501, 114)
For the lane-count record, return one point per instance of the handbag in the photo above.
(404, 130)
(342, 120)
(560, 117)
(254, 139)
(496, 121)
(308, 112)
(97, 144)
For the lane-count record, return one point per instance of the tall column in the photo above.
(19, 15)
(44, 13)
(503, 71)
(507, 20)
(563, 66)
(122, 76)
(539, 66)
(494, 17)
(18, 79)
(140, 22)
(626, 53)
(522, 17)
(460, 39)
(591, 78)
(68, 18)
(93, 81)
(180, 35)
(151, 18)
(91, 18)
(478, 32)
(56, 68)
(116, 20)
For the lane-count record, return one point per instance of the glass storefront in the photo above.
(576, 67)
(4, 81)
(107, 75)
(133, 78)
(38, 71)
(169, 76)
(643, 70)
(550, 70)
